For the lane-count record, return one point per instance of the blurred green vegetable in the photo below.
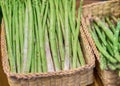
(40, 33)
(106, 37)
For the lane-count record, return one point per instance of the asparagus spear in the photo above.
(116, 42)
(106, 29)
(101, 49)
(67, 38)
(76, 35)
(17, 38)
(52, 36)
(59, 35)
(9, 47)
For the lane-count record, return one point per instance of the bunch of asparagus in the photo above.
(105, 33)
(42, 35)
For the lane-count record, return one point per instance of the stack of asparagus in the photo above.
(105, 33)
(42, 35)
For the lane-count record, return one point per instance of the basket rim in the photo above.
(86, 68)
(97, 3)
(51, 74)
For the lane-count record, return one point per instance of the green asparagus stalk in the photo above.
(9, 47)
(116, 42)
(106, 29)
(35, 40)
(74, 13)
(111, 66)
(41, 36)
(42, 41)
(61, 17)
(30, 32)
(112, 27)
(24, 66)
(100, 34)
(80, 55)
(59, 35)
(32, 67)
(17, 39)
(38, 60)
(103, 62)
(50, 61)
(101, 49)
(21, 30)
(52, 36)
(67, 38)
(9, 14)
(76, 35)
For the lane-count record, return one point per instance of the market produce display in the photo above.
(42, 35)
(106, 35)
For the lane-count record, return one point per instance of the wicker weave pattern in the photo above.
(112, 7)
(77, 77)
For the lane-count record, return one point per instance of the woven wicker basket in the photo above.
(106, 8)
(78, 77)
